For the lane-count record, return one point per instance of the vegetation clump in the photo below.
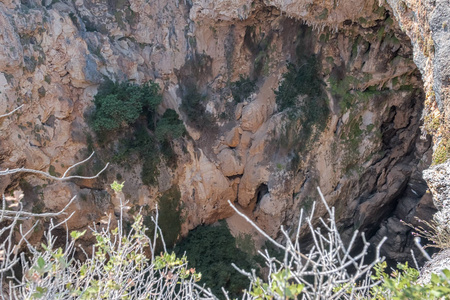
(300, 79)
(129, 110)
(403, 283)
(118, 105)
(169, 127)
(170, 219)
(308, 115)
(193, 105)
(118, 269)
(242, 88)
(211, 250)
(442, 152)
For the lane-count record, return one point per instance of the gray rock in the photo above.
(91, 72)
(440, 27)
(438, 179)
(441, 261)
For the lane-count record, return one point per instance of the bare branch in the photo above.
(323, 271)
(11, 112)
(8, 214)
(417, 242)
(47, 175)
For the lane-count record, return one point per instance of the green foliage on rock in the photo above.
(211, 250)
(193, 105)
(120, 104)
(341, 89)
(170, 219)
(169, 126)
(308, 115)
(145, 147)
(129, 110)
(347, 93)
(242, 88)
(442, 152)
(300, 79)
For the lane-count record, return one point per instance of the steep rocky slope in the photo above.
(356, 135)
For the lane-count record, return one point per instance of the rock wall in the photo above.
(367, 155)
(426, 23)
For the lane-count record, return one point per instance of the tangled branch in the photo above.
(62, 178)
(322, 272)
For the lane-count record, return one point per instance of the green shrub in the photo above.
(341, 89)
(402, 284)
(52, 170)
(307, 117)
(242, 88)
(169, 127)
(169, 154)
(144, 146)
(193, 107)
(118, 269)
(120, 104)
(211, 250)
(442, 152)
(300, 79)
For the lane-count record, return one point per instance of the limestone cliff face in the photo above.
(366, 152)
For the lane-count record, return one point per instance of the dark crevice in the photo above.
(388, 131)
(259, 194)
(233, 177)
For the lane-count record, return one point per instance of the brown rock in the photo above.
(232, 137)
(229, 163)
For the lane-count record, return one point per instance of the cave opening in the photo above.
(260, 192)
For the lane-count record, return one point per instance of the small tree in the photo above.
(169, 127)
(120, 104)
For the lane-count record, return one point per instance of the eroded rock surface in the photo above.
(367, 154)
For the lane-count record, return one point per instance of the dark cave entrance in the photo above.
(259, 194)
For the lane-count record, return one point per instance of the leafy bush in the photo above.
(211, 250)
(300, 79)
(193, 103)
(193, 107)
(403, 284)
(146, 148)
(120, 104)
(169, 127)
(308, 116)
(118, 269)
(242, 88)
